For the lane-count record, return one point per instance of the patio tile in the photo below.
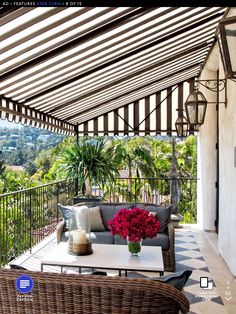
(208, 307)
(194, 263)
(189, 246)
(218, 300)
(180, 257)
(191, 282)
(197, 273)
(188, 256)
(180, 249)
(186, 239)
(191, 253)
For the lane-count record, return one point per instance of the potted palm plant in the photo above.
(90, 161)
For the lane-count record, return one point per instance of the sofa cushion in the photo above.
(124, 205)
(176, 280)
(107, 213)
(102, 237)
(96, 219)
(163, 214)
(148, 206)
(119, 240)
(161, 240)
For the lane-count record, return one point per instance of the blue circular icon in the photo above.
(24, 284)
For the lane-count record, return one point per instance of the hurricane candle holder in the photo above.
(79, 242)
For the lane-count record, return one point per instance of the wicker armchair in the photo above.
(55, 293)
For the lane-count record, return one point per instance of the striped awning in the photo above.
(101, 70)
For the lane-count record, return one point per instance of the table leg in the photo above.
(119, 273)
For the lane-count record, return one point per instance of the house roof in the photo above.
(63, 68)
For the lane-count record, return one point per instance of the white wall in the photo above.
(227, 213)
(207, 159)
(207, 166)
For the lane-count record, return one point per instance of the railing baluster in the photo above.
(30, 220)
(26, 216)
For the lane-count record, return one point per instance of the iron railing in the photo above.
(179, 192)
(28, 216)
(147, 190)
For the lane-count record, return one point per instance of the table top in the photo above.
(108, 256)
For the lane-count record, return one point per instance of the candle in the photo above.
(79, 236)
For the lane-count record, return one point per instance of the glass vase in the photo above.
(134, 247)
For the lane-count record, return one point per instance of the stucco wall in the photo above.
(227, 170)
(227, 213)
(207, 160)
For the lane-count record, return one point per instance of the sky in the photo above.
(10, 125)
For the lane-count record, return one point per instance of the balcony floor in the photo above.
(195, 250)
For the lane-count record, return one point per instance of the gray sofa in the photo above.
(165, 237)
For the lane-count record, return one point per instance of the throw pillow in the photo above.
(14, 266)
(163, 215)
(96, 219)
(75, 217)
(176, 280)
(65, 211)
(107, 212)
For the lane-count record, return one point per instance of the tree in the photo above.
(91, 160)
(134, 154)
(2, 172)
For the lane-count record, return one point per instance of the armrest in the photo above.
(169, 255)
(171, 231)
(59, 230)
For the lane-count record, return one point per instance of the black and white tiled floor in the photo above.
(188, 256)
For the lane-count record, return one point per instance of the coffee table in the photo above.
(107, 256)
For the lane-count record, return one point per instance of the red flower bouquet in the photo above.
(135, 223)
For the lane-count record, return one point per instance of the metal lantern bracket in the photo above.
(214, 86)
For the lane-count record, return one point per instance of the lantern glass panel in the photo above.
(181, 126)
(195, 107)
(230, 30)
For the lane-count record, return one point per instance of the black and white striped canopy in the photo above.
(101, 70)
